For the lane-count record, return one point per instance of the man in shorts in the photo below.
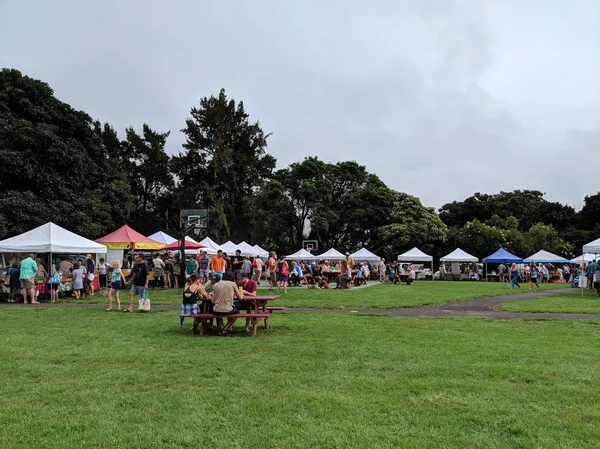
(217, 264)
(203, 267)
(223, 305)
(272, 265)
(28, 269)
(257, 268)
(139, 280)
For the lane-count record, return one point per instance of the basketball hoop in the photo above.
(197, 229)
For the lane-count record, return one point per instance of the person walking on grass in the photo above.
(534, 276)
(139, 280)
(514, 276)
(272, 266)
(117, 281)
(284, 272)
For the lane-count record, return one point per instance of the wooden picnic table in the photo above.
(331, 275)
(260, 312)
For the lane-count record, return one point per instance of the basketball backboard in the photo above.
(310, 245)
(198, 217)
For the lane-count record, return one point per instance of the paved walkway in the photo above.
(482, 307)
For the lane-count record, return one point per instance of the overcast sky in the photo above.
(440, 98)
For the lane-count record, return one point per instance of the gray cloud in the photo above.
(440, 98)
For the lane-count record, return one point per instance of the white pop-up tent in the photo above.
(247, 249)
(301, 255)
(50, 238)
(263, 254)
(584, 258)
(545, 257)
(415, 255)
(162, 237)
(364, 255)
(211, 246)
(229, 247)
(332, 254)
(592, 247)
(458, 255)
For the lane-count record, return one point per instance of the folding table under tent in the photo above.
(416, 255)
(301, 255)
(333, 255)
(263, 254)
(458, 255)
(247, 249)
(501, 256)
(364, 255)
(546, 257)
(162, 237)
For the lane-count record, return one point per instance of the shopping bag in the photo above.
(144, 302)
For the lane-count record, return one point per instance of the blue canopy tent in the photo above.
(501, 256)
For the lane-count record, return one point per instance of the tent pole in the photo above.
(3, 261)
(581, 271)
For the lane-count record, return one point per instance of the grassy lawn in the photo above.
(79, 378)
(569, 302)
(421, 293)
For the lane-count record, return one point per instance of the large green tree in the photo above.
(149, 176)
(222, 166)
(53, 164)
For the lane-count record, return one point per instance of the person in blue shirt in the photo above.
(15, 283)
(592, 267)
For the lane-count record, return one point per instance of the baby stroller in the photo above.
(575, 282)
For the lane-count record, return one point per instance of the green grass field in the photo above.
(84, 378)
(569, 302)
(421, 293)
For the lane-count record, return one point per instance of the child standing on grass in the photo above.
(117, 281)
(514, 276)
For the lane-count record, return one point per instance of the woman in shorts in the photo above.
(78, 280)
(192, 293)
(117, 282)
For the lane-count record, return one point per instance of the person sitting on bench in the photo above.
(223, 304)
(191, 294)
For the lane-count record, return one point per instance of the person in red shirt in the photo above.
(284, 272)
(249, 288)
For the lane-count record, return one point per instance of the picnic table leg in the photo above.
(254, 325)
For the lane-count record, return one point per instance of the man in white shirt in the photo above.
(159, 270)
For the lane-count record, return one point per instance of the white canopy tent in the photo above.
(458, 255)
(263, 254)
(301, 255)
(592, 247)
(189, 239)
(584, 258)
(229, 247)
(211, 246)
(247, 249)
(364, 255)
(332, 254)
(546, 257)
(415, 255)
(50, 238)
(162, 237)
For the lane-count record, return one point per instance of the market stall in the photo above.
(125, 238)
(162, 237)
(247, 249)
(364, 255)
(210, 246)
(262, 253)
(500, 256)
(455, 258)
(331, 255)
(55, 241)
(301, 255)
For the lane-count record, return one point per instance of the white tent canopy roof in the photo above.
(458, 255)
(261, 252)
(211, 246)
(229, 247)
(415, 255)
(50, 238)
(189, 239)
(162, 237)
(247, 249)
(364, 255)
(301, 255)
(592, 247)
(584, 258)
(332, 254)
(546, 257)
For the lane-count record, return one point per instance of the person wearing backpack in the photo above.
(54, 283)
(284, 272)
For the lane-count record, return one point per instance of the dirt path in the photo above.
(483, 307)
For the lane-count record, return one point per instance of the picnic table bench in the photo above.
(260, 313)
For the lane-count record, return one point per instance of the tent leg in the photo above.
(581, 271)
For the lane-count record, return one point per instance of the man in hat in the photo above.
(349, 260)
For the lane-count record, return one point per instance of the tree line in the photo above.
(58, 164)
